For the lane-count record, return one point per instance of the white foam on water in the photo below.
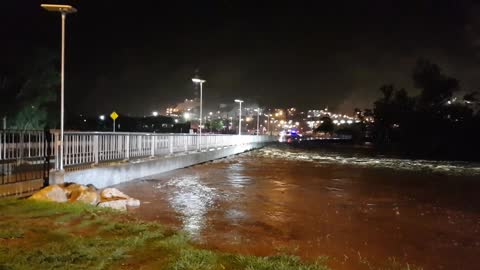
(445, 167)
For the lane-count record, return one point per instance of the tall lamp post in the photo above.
(200, 81)
(64, 10)
(239, 117)
(268, 127)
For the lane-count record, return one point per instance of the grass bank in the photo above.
(42, 235)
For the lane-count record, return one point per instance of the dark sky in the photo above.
(139, 56)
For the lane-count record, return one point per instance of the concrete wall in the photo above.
(111, 175)
(21, 189)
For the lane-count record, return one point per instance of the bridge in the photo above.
(30, 159)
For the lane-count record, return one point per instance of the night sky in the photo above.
(139, 56)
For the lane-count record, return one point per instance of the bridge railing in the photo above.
(95, 147)
(25, 144)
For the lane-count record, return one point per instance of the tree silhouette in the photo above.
(29, 92)
(436, 87)
(326, 125)
(430, 124)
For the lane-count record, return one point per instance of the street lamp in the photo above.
(258, 120)
(268, 127)
(155, 113)
(239, 116)
(64, 10)
(200, 81)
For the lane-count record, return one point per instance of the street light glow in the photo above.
(59, 8)
(101, 117)
(197, 80)
(155, 113)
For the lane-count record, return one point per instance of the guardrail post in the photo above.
(57, 150)
(127, 147)
(2, 133)
(170, 140)
(185, 142)
(29, 144)
(21, 143)
(198, 142)
(96, 149)
(152, 151)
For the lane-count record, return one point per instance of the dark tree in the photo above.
(432, 124)
(29, 92)
(436, 87)
(472, 97)
(326, 125)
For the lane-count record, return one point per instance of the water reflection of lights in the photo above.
(236, 177)
(192, 199)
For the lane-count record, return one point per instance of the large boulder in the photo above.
(131, 202)
(53, 193)
(92, 187)
(112, 194)
(73, 190)
(87, 196)
(117, 205)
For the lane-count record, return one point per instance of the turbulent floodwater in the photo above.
(357, 209)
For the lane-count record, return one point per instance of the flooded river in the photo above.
(357, 209)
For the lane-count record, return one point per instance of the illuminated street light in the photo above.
(155, 114)
(64, 10)
(268, 126)
(200, 81)
(186, 116)
(258, 121)
(101, 117)
(239, 116)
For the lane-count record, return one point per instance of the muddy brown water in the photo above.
(357, 210)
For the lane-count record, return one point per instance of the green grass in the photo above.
(43, 235)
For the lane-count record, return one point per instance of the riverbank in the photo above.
(44, 235)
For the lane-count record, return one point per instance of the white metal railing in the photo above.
(94, 147)
(15, 145)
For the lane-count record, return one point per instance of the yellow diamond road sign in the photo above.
(114, 115)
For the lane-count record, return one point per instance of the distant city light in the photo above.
(155, 113)
(186, 116)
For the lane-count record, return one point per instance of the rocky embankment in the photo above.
(70, 192)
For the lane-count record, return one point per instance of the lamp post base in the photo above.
(56, 177)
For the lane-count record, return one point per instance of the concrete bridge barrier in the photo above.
(108, 158)
(103, 176)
